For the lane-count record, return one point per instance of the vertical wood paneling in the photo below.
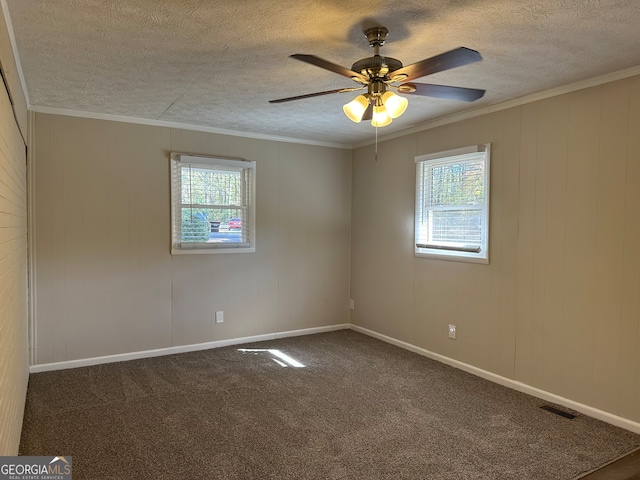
(44, 296)
(496, 242)
(364, 272)
(329, 210)
(56, 141)
(289, 237)
(440, 285)
(73, 302)
(386, 220)
(425, 329)
(134, 249)
(609, 253)
(629, 379)
(538, 332)
(194, 268)
(558, 307)
(238, 294)
(553, 319)
(105, 242)
(154, 234)
(267, 221)
(177, 300)
(309, 237)
(398, 238)
(93, 215)
(526, 242)
(364, 240)
(580, 248)
(116, 226)
(504, 337)
(503, 241)
(109, 284)
(193, 291)
(258, 269)
(388, 217)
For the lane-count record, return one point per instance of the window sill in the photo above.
(208, 251)
(453, 256)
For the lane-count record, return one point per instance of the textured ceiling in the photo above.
(217, 63)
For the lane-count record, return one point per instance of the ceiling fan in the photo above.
(381, 75)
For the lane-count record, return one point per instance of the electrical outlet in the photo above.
(352, 304)
(219, 316)
(452, 332)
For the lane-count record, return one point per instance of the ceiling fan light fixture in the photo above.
(355, 109)
(381, 117)
(395, 104)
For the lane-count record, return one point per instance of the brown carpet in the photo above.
(359, 409)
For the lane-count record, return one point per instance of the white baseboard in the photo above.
(507, 382)
(122, 357)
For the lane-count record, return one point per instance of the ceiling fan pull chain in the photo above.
(376, 156)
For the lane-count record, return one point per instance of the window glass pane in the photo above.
(206, 186)
(452, 227)
(455, 184)
(213, 225)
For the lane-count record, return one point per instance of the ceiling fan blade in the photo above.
(311, 95)
(368, 113)
(332, 67)
(445, 61)
(441, 91)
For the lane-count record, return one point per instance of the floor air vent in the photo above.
(557, 411)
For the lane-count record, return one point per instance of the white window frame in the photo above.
(479, 254)
(247, 168)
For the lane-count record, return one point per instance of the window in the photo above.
(452, 204)
(212, 204)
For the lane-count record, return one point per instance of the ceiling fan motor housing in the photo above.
(376, 66)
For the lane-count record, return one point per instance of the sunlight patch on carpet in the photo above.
(281, 359)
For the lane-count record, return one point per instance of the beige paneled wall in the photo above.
(14, 352)
(557, 308)
(106, 282)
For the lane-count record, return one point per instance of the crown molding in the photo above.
(182, 126)
(514, 102)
